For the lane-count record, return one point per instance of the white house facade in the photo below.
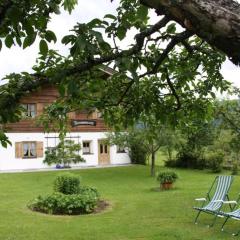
(29, 142)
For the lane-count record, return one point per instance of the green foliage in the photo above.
(43, 47)
(166, 177)
(137, 152)
(69, 197)
(22, 21)
(69, 5)
(197, 136)
(67, 183)
(4, 140)
(133, 141)
(186, 158)
(215, 161)
(235, 168)
(59, 203)
(177, 86)
(65, 153)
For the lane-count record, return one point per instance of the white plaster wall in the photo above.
(9, 162)
(118, 158)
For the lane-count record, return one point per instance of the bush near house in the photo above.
(67, 183)
(69, 197)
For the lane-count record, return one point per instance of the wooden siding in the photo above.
(43, 97)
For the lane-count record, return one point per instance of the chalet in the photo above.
(29, 141)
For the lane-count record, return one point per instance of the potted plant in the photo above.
(166, 179)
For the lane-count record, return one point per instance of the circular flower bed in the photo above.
(69, 198)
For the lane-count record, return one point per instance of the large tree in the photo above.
(167, 71)
(217, 22)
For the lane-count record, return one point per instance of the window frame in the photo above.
(121, 149)
(28, 110)
(29, 144)
(90, 147)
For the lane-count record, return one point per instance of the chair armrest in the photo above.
(200, 199)
(218, 201)
(229, 202)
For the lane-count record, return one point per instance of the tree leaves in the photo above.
(69, 5)
(50, 36)
(9, 41)
(43, 47)
(142, 13)
(29, 40)
(171, 28)
(121, 33)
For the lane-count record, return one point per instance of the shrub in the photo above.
(85, 190)
(170, 163)
(69, 197)
(137, 153)
(235, 168)
(67, 183)
(166, 177)
(215, 161)
(59, 203)
(189, 159)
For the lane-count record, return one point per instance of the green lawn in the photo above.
(137, 212)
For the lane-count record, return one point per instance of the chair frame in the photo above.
(228, 215)
(208, 198)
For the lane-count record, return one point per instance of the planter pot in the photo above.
(166, 186)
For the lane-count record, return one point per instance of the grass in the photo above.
(138, 211)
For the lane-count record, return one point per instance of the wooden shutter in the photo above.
(18, 150)
(40, 107)
(39, 149)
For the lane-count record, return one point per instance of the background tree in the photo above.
(228, 114)
(147, 137)
(197, 137)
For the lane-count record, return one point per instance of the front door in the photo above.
(103, 153)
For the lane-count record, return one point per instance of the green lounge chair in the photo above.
(220, 188)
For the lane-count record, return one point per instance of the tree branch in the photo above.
(173, 90)
(216, 22)
(175, 40)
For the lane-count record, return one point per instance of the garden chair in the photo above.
(234, 214)
(219, 190)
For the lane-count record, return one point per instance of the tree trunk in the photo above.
(153, 164)
(169, 154)
(216, 22)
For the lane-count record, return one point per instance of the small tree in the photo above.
(149, 135)
(154, 137)
(65, 153)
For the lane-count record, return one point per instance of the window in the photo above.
(103, 148)
(29, 150)
(120, 149)
(30, 110)
(86, 147)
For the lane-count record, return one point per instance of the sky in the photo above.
(18, 60)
